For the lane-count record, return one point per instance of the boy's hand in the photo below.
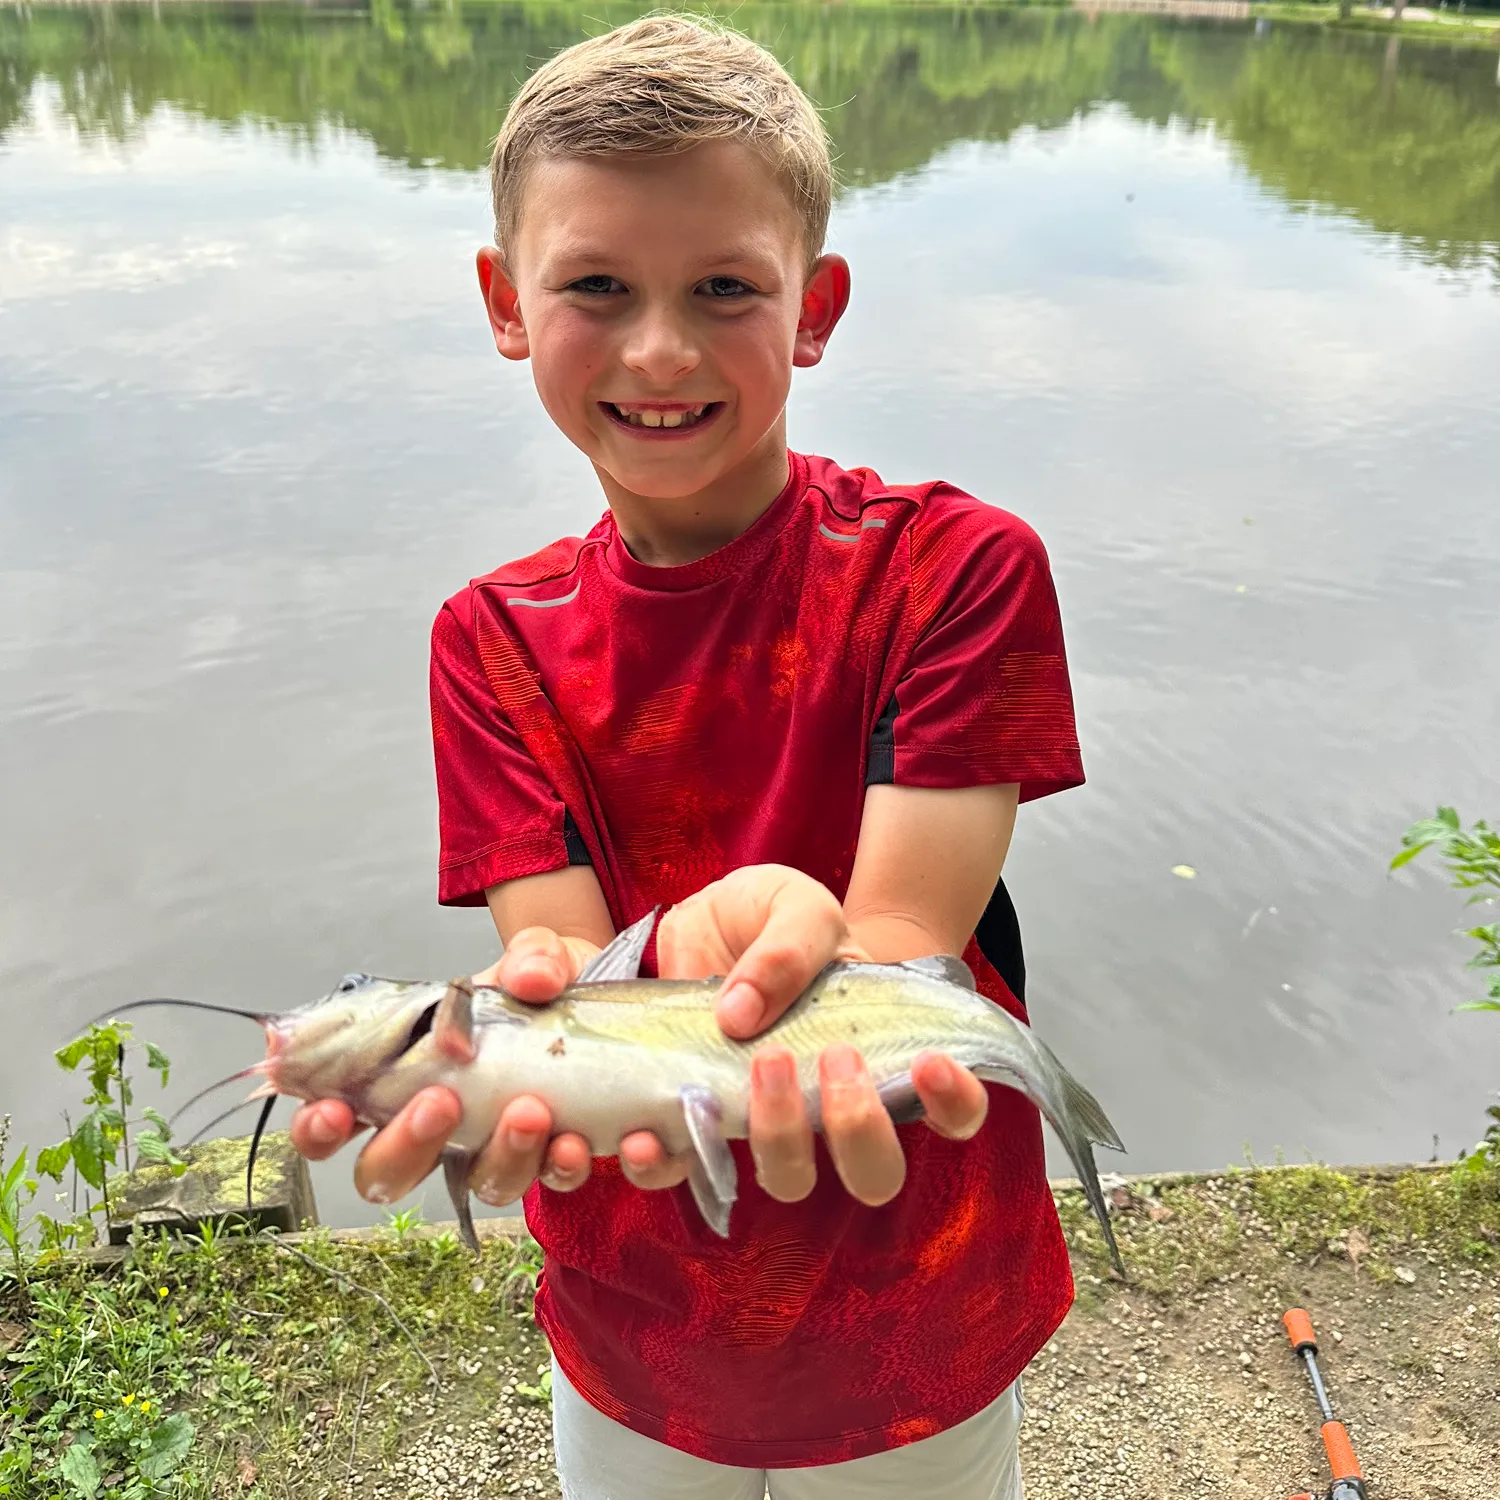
(770, 930)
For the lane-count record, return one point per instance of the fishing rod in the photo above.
(1348, 1481)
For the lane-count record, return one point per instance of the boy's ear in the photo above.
(503, 304)
(824, 299)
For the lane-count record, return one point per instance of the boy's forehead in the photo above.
(718, 201)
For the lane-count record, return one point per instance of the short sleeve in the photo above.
(498, 818)
(984, 696)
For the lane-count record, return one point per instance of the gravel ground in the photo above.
(1188, 1388)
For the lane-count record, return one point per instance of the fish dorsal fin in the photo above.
(621, 959)
(943, 966)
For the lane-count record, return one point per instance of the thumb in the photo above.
(801, 931)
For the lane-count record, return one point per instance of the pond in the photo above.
(1213, 305)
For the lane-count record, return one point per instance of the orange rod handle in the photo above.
(1299, 1329)
(1340, 1451)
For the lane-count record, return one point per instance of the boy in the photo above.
(796, 706)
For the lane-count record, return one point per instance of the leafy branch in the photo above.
(1472, 856)
(100, 1142)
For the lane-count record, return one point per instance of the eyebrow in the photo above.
(598, 254)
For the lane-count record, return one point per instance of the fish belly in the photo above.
(601, 1090)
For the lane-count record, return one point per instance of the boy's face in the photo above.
(663, 302)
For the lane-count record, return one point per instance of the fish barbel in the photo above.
(615, 1053)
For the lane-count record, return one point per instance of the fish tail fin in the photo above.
(1079, 1121)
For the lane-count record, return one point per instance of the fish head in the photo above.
(335, 1048)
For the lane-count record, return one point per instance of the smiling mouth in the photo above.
(655, 418)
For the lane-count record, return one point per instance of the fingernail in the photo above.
(843, 1065)
(378, 1192)
(522, 1140)
(320, 1131)
(543, 970)
(429, 1121)
(559, 1182)
(496, 1194)
(775, 1073)
(940, 1074)
(742, 1008)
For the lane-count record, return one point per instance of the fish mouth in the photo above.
(661, 419)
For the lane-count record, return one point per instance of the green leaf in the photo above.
(158, 1061)
(1479, 1005)
(52, 1161)
(152, 1148)
(74, 1053)
(169, 1444)
(81, 1469)
(163, 1129)
(12, 1177)
(88, 1151)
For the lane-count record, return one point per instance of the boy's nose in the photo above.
(661, 346)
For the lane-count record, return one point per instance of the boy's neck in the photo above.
(671, 533)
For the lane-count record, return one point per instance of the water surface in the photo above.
(1213, 307)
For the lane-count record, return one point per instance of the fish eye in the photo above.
(351, 982)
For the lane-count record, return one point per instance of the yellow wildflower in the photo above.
(98, 1414)
(126, 1400)
(145, 1406)
(161, 1291)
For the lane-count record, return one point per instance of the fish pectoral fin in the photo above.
(712, 1174)
(944, 966)
(621, 958)
(901, 1100)
(453, 1025)
(456, 1165)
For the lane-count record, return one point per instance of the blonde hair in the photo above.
(657, 86)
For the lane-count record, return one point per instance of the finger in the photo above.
(647, 1163)
(802, 929)
(568, 1164)
(536, 966)
(861, 1138)
(690, 941)
(955, 1100)
(781, 1139)
(511, 1160)
(398, 1157)
(320, 1129)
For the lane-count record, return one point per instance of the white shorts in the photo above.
(598, 1459)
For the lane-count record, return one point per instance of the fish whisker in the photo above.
(252, 1070)
(261, 1018)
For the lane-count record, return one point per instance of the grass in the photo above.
(231, 1342)
(1180, 1237)
(225, 1365)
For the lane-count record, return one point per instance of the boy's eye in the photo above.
(726, 286)
(596, 286)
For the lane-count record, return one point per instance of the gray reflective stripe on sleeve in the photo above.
(873, 521)
(549, 603)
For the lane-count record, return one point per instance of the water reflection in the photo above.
(1405, 139)
(1123, 278)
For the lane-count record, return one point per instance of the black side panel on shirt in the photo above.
(881, 767)
(999, 930)
(578, 851)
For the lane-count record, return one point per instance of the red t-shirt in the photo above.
(669, 725)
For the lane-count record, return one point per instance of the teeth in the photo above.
(662, 418)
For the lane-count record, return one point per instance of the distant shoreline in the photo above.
(1419, 22)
